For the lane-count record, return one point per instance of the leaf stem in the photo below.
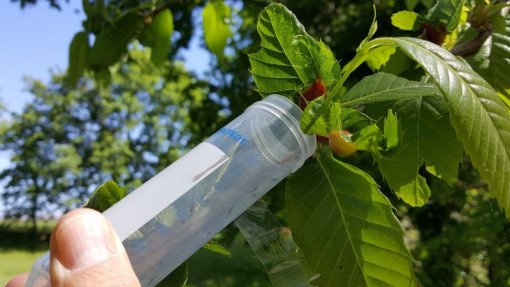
(471, 47)
(358, 59)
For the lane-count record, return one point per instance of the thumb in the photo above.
(85, 251)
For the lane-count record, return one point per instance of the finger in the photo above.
(18, 281)
(85, 251)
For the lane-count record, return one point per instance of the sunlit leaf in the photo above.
(506, 98)
(78, 56)
(105, 196)
(493, 60)
(428, 138)
(327, 121)
(391, 130)
(447, 12)
(398, 63)
(162, 27)
(379, 56)
(479, 116)
(368, 139)
(382, 87)
(345, 226)
(328, 67)
(216, 248)
(289, 58)
(215, 16)
(405, 20)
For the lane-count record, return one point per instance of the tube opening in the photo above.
(277, 132)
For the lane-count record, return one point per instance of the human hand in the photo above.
(85, 251)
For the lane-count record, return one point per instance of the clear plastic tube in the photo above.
(274, 247)
(171, 216)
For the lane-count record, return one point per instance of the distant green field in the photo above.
(13, 262)
(18, 249)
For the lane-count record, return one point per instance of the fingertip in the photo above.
(86, 250)
(83, 238)
(18, 281)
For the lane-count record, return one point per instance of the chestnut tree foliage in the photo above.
(410, 183)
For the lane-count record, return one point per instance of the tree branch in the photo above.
(472, 46)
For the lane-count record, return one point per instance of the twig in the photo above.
(472, 46)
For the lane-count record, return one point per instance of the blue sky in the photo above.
(35, 40)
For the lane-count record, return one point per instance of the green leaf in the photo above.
(506, 98)
(368, 139)
(87, 7)
(480, 118)
(105, 196)
(428, 3)
(415, 192)
(216, 248)
(428, 138)
(162, 27)
(498, 23)
(78, 56)
(411, 4)
(385, 87)
(392, 130)
(289, 58)
(447, 12)
(146, 37)
(499, 61)
(216, 15)
(345, 226)
(379, 56)
(398, 63)
(493, 60)
(495, 8)
(327, 121)
(388, 59)
(405, 20)
(103, 77)
(93, 9)
(322, 56)
(353, 120)
(112, 42)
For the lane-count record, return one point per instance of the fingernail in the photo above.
(84, 241)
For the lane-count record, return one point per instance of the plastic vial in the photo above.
(167, 219)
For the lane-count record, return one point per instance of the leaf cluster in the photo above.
(414, 112)
(53, 3)
(116, 24)
(429, 116)
(68, 141)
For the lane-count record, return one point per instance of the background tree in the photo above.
(69, 141)
(458, 237)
